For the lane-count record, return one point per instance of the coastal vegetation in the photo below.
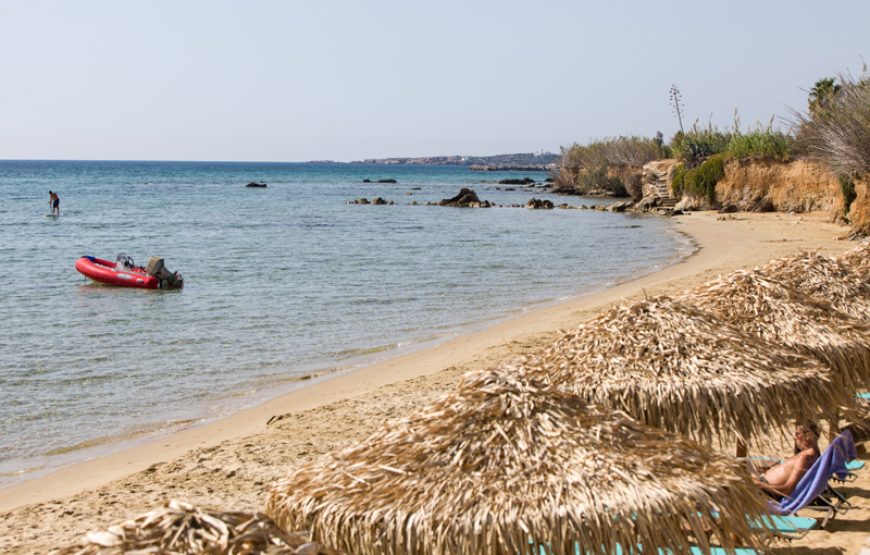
(599, 168)
(832, 137)
(700, 181)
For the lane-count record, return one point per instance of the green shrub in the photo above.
(761, 144)
(596, 179)
(677, 182)
(700, 181)
(617, 151)
(703, 179)
(847, 186)
(699, 144)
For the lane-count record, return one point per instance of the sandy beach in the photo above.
(230, 464)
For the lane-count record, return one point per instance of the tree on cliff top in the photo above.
(822, 94)
(837, 128)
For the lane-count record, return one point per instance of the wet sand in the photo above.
(229, 464)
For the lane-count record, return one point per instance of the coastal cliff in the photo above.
(859, 213)
(766, 186)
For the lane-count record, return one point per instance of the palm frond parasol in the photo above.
(180, 527)
(681, 369)
(506, 459)
(779, 314)
(826, 279)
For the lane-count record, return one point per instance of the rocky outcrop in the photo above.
(621, 206)
(647, 203)
(539, 204)
(466, 198)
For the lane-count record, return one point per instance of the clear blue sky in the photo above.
(342, 80)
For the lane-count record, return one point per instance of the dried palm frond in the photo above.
(179, 528)
(779, 314)
(684, 370)
(825, 279)
(858, 258)
(507, 459)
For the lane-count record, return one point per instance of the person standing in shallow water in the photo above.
(54, 203)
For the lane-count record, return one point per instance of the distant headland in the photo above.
(525, 161)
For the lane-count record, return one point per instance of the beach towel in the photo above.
(832, 462)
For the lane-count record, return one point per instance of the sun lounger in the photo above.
(790, 527)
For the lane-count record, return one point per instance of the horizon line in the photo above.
(323, 161)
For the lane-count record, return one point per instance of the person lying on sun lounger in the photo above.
(781, 479)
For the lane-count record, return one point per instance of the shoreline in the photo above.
(146, 435)
(342, 409)
(136, 454)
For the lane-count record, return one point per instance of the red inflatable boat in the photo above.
(126, 274)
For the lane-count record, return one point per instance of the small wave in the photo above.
(352, 353)
(123, 436)
(19, 472)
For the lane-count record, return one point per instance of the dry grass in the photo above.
(779, 314)
(826, 279)
(859, 259)
(179, 527)
(678, 368)
(507, 458)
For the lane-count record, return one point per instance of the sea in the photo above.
(284, 285)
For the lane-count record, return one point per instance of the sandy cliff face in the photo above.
(860, 210)
(799, 186)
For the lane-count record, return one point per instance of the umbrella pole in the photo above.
(833, 425)
(741, 449)
(743, 439)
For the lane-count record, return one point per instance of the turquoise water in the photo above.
(280, 283)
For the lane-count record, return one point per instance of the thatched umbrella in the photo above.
(180, 527)
(507, 459)
(858, 258)
(681, 369)
(827, 279)
(779, 314)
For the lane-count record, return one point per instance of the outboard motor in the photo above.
(167, 279)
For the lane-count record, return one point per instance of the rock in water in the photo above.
(466, 198)
(539, 204)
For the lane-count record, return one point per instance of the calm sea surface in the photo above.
(280, 283)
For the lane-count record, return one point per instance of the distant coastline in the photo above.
(524, 161)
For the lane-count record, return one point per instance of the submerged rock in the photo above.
(523, 181)
(256, 185)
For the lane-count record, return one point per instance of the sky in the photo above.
(271, 80)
